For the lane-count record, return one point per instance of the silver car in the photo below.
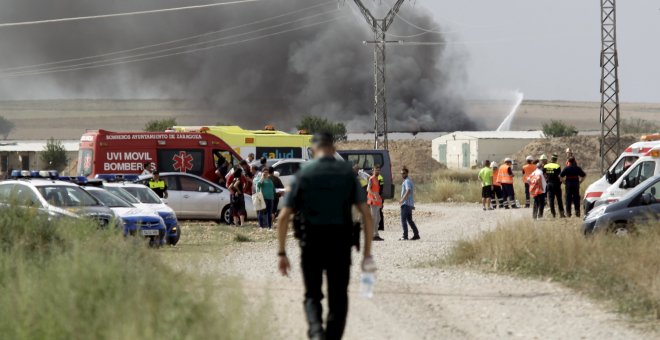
(193, 197)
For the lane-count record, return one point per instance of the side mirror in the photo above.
(212, 189)
(624, 183)
(610, 177)
(647, 199)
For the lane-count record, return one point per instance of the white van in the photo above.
(623, 163)
(644, 168)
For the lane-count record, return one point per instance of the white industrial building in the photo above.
(25, 155)
(467, 149)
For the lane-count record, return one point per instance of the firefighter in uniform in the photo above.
(572, 176)
(552, 171)
(497, 188)
(158, 185)
(527, 171)
(321, 197)
(505, 177)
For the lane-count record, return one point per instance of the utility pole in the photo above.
(609, 86)
(380, 27)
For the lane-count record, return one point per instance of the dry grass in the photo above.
(624, 270)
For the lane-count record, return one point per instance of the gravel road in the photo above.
(414, 300)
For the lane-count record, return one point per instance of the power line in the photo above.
(177, 53)
(163, 43)
(171, 48)
(102, 16)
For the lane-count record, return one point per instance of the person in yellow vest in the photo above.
(374, 200)
(158, 185)
(497, 188)
(553, 191)
(505, 177)
(527, 171)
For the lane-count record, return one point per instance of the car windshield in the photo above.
(123, 194)
(67, 196)
(109, 200)
(144, 195)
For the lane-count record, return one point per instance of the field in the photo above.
(68, 119)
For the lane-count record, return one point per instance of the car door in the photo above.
(643, 212)
(201, 199)
(174, 194)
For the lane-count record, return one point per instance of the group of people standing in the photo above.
(543, 181)
(244, 179)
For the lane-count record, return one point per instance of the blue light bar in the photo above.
(118, 177)
(106, 177)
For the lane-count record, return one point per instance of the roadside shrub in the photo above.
(159, 125)
(638, 126)
(557, 128)
(620, 269)
(69, 280)
(313, 124)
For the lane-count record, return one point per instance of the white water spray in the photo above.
(506, 123)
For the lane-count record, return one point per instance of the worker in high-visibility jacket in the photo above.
(537, 186)
(375, 200)
(505, 177)
(553, 191)
(157, 185)
(527, 171)
(497, 188)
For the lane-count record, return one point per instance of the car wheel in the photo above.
(620, 229)
(173, 240)
(154, 242)
(225, 216)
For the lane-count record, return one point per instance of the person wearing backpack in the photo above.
(537, 185)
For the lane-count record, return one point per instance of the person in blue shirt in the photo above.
(407, 203)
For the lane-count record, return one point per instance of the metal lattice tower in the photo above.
(609, 86)
(380, 27)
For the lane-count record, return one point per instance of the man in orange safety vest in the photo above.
(374, 200)
(505, 177)
(527, 171)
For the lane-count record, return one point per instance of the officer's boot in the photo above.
(314, 312)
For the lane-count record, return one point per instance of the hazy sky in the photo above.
(549, 49)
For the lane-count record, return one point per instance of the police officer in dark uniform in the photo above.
(552, 171)
(572, 175)
(321, 198)
(158, 185)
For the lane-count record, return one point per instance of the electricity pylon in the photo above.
(609, 86)
(380, 27)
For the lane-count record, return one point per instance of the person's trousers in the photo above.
(508, 195)
(406, 219)
(375, 215)
(381, 225)
(573, 198)
(527, 200)
(266, 215)
(539, 205)
(326, 254)
(554, 193)
(497, 196)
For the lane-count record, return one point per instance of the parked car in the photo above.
(42, 191)
(286, 169)
(638, 207)
(366, 159)
(134, 220)
(193, 197)
(147, 199)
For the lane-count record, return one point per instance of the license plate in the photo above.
(149, 232)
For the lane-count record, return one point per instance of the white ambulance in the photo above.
(647, 166)
(623, 163)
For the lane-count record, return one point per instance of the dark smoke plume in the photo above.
(323, 70)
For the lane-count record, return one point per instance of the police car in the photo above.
(134, 220)
(144, 198)
(44, 190)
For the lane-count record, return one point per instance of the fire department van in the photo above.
(267, 143)
(105, 152)
(647, 166)
(623, 163)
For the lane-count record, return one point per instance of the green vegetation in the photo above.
(623, 270)
(54, 155)
(69, 280)
(557, 128)
(160, 125)
(314, 125)
(6, 127)
(638, 126)
(240, 238)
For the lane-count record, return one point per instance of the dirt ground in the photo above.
(416, 297)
